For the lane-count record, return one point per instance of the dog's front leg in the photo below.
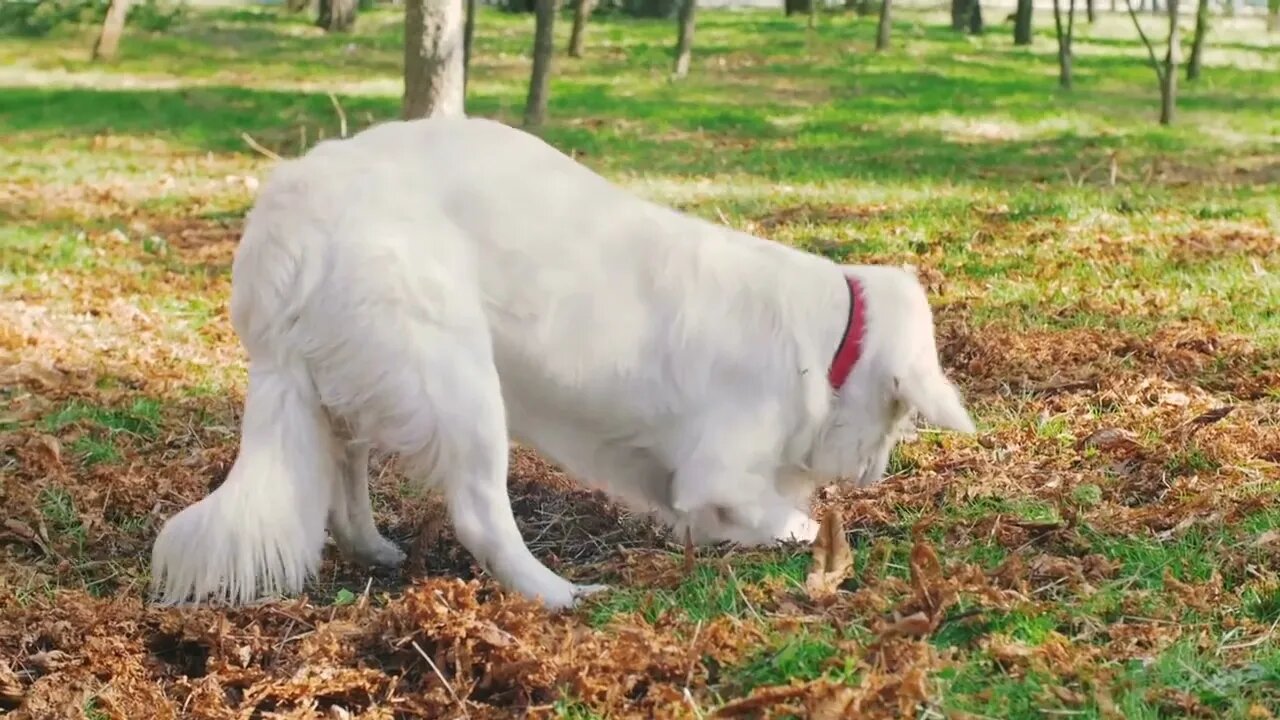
(472, 462)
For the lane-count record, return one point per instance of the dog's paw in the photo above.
(581, 592)
(381, 553)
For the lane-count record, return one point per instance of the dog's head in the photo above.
(897, 373)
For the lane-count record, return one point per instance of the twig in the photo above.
(1151, 50)
(447, 686)
(342, 116)
(257, 146)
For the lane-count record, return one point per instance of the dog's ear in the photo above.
(936, 398)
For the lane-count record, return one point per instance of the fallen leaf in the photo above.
(832, 558)
(48, 660)
(1111, 438)
(1212, 416)
(761, 698)
(1266, 538)
(914, 625)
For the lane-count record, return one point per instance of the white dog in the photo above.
(438, 287)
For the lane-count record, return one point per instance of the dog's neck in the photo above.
(850, 347)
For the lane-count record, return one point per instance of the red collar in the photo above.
(851, 343)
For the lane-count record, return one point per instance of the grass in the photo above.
(1088, 580)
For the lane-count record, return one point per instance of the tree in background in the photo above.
(108, 43)
(1197, 42)
(684, 37)
(337, 15)
(1064, 41)
(795, 6)
(1090, 13)
(535, 108)
(433, 58)
(581, 13)
(1166, 73)
(1273, 15)
(967, 14)
(468, 34)
(1022, 22)
(884, 27)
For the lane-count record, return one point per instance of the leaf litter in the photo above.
(1116, 437)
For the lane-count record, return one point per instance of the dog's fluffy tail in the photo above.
(261, 533)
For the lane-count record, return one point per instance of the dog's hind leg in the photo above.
(351, 518)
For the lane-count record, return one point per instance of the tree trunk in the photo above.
(684, 37)
(468, 34)
(885, 26)
(1273, 15)
(434, 66)
(581, 13)
(958, 10)
(976, 26)
(1169, 86)
(1022, 23)
(863, 8)
(1064, 41)
(535, 108)
(1090, 12)
(1197, 42)
(337, 16)
(813, 14)
(795, 6)
(108, 43)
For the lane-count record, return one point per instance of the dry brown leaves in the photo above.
(832, 558)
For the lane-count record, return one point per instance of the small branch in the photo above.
(447, 686)
(1151, 50)
(342, 116)
(258, 146)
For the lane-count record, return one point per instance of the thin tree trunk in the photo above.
(976, 26)
(1169, 88)
(795, 6)
(1273, 15)
(1022, 23)
(1197, 42)
(813, 14)
(1090, 12)
(108, 43)
(581, 13)
(958, 9)
(684, 37)
(1064, 41)
(535, 109)
(885, 26)
(337, 16)
(434, 58)
(1113, 5)
(468, 35)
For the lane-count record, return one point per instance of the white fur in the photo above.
(438, 287)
